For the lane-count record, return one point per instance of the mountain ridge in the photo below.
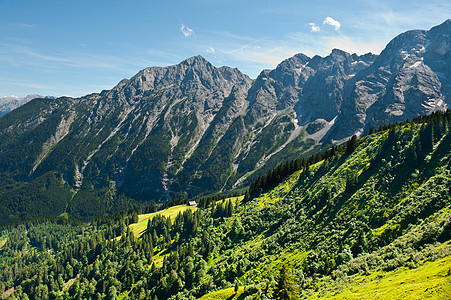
(193, 128)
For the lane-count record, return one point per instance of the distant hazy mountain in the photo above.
(193, 128)
(8, 104)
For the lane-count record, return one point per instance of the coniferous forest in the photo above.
(341, 223)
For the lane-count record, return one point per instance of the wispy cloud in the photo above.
(313, 27)
(186, 30)
(61, 89)
(21, 55)
(34, 85)
(347, 44)
(210, 50)
(382, 22)
(334, 23)
(67, 66)
(24, 25)
(249, 54)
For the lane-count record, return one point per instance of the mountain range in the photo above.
(10, 103)
(193, 128)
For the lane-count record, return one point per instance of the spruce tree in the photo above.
(286, 288)
(351, 144)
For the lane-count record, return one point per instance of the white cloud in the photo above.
(186, 30)
(334, 23)
(313, 27)
(210, 50)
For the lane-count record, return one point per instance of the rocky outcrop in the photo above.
(409, 78)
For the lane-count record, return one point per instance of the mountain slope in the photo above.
(373, 207)
(408, 78)
(193, 129)
(384, 206)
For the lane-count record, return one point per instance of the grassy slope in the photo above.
(225, 294)
(431, 280)
(139, 228)
(3, 241)
(388, 189)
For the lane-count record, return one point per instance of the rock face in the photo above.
(410, 77)
(193, 128)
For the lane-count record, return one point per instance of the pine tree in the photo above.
(286, 288)
(427, 138)
(351, 144)
(135, 217)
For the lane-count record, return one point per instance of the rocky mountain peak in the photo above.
(195, 61)
(296, 61)
(192, 76)
(439, 41)
(336, 53)
(411, 76)
(444, 27)
(402, 47)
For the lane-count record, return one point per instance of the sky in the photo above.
(73, 48)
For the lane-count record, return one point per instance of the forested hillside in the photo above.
(339, 222)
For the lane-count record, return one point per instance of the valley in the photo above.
(372, 216)
(325, 177)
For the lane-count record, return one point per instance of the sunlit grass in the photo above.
(139, 228)
(3, 241)
(429, 281)
(224, 294)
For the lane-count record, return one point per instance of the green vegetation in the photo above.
(225, 294)
(375, 213)
(45, 196)
(431, 280)
(140, 227)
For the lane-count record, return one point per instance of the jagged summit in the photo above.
(337, 51)
(195, 60)
(444, 27)
(192, 77)
(411, 76)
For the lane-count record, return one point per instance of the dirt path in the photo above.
(8, 293)
(69, 283)
(2, 243)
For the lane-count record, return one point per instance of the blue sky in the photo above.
(62, 47)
